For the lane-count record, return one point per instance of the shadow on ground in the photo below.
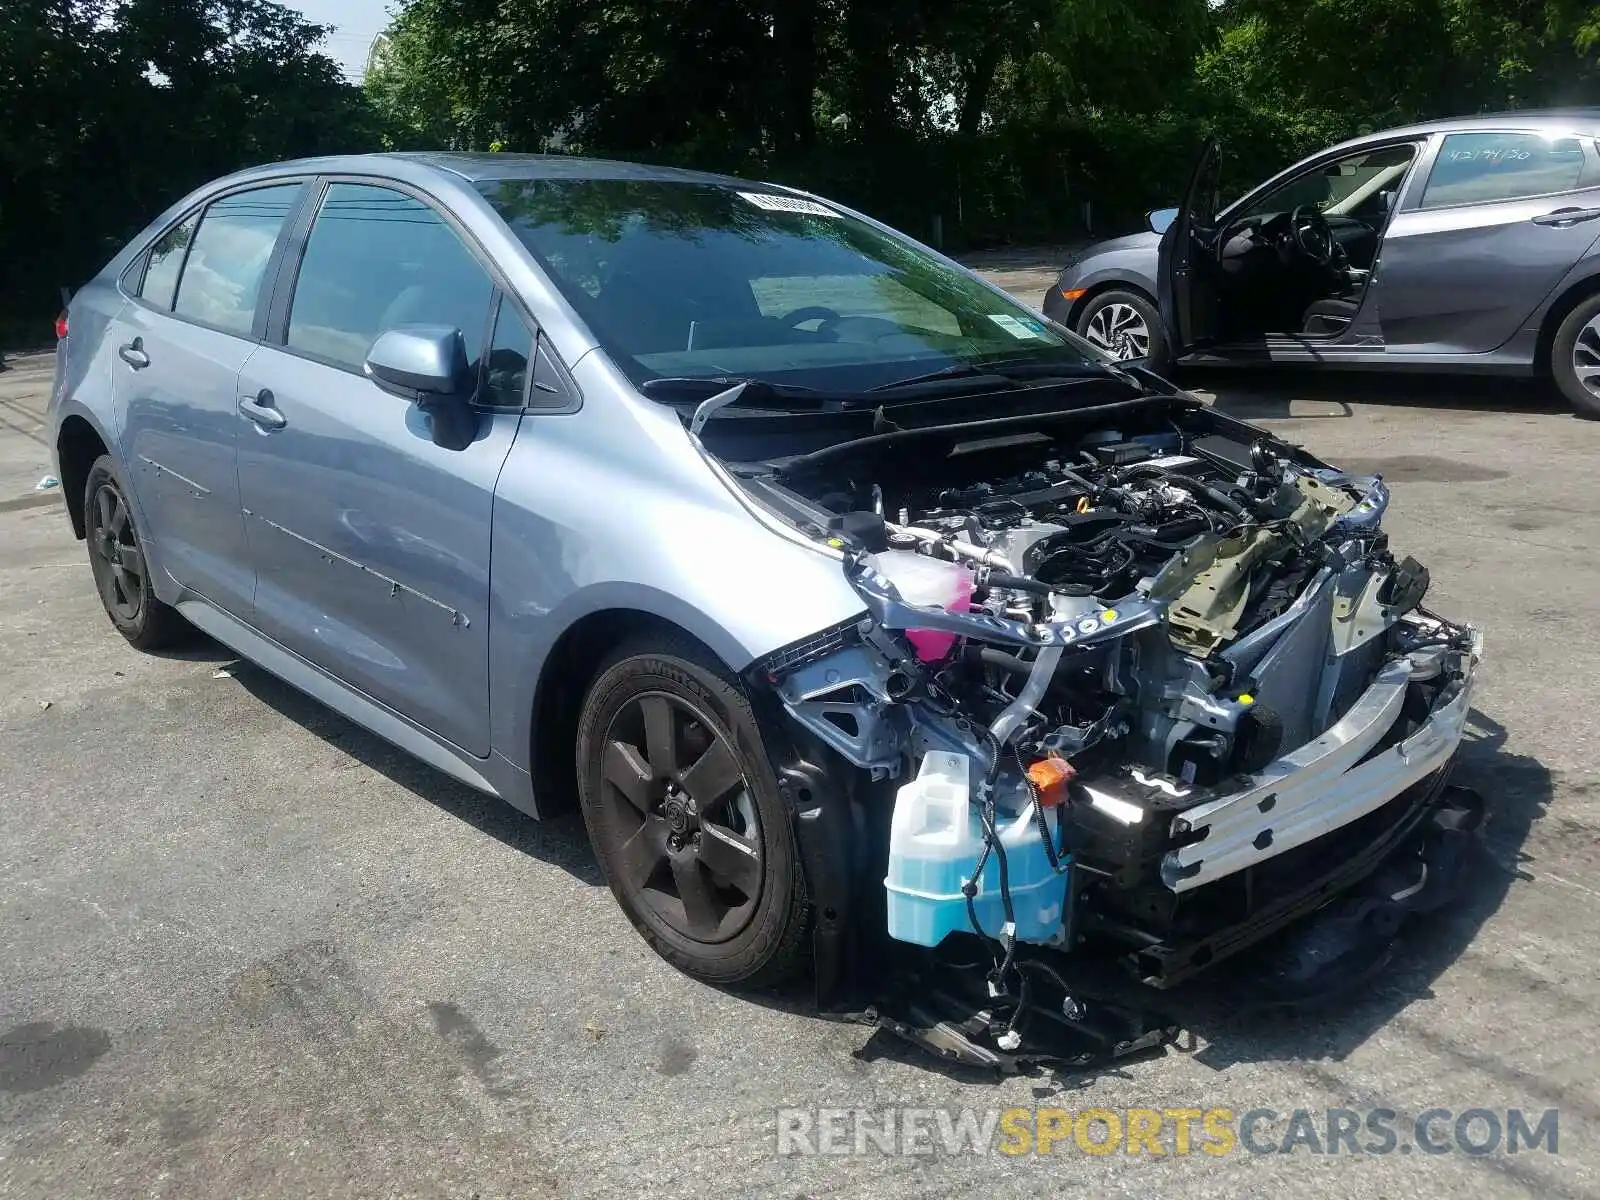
(561, 841)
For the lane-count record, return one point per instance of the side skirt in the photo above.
(337, 695)
(1363, 358)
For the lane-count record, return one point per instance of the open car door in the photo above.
(1188, 295)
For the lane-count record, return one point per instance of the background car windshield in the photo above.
(690, 279)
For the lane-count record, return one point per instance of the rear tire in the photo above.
(1119, 322)
(687, 821)
(120, 565)
(1575, 358)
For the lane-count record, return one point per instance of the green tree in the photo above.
(112, 109)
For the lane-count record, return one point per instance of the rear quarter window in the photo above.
(1478, 168)
(165, 261)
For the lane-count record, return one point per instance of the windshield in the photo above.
(683, 279)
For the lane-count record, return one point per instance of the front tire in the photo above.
(1575, 358)
(121, 567)
(1127, 326)
(687, 821)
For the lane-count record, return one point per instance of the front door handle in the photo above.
(260, 409)
(133, 354)
(1563, 217)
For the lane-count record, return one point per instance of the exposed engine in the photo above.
(1059, 539)
(1198, 538)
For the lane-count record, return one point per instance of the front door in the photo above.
(180, 345)
(1500, 220)
(1184, 280)
(371, 542)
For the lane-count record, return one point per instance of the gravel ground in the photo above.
(249, 949)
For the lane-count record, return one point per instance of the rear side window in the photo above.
(166, 260)
(1475, 168)
(376, 259)
(228, 260)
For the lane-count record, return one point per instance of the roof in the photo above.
(1536, 117)
(476, 167)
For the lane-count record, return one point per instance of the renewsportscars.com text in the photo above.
(1166, 1131)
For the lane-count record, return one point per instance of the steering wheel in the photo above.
(1312, 235)
(811, 312)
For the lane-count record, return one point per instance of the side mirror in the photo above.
(427, 364)
(1161, 219)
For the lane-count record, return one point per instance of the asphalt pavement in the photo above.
(247, 949)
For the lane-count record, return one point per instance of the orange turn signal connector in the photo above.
(1050, 777)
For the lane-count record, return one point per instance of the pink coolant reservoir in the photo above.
(927, 582)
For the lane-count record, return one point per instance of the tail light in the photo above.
(61, 325)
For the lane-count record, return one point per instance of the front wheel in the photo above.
(1575, 358)
(686, 818)
(1126, 325)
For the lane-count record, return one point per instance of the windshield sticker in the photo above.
(1017, 329)
(788, 204)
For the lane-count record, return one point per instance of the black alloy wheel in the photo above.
(692, 849)
(688, 823)
(119, 563)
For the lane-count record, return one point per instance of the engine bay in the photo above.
(1116, 661)
(1063, 530)
(1150, 600)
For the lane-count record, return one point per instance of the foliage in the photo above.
(1001, 118)
(112, 109)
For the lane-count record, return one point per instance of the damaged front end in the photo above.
(1148, 682)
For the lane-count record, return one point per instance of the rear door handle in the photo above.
(1562, 217)
(260, 409)
(133, 354)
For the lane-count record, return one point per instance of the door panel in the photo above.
(179, 452)
(175, 377)
(1458, 277)
(1463, 280)
(371, 543)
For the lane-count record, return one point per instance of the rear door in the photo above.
(1188, 297)
(1500, 218)
(371, 543)
(197, 312)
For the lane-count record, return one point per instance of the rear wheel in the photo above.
(1575, 358)
(1126, 325)
(121, 570)
(686, 818)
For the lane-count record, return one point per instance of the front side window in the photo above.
(707, 280)
(223, 274)
(1475, 168)
(1358, 185)
(377, 259)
